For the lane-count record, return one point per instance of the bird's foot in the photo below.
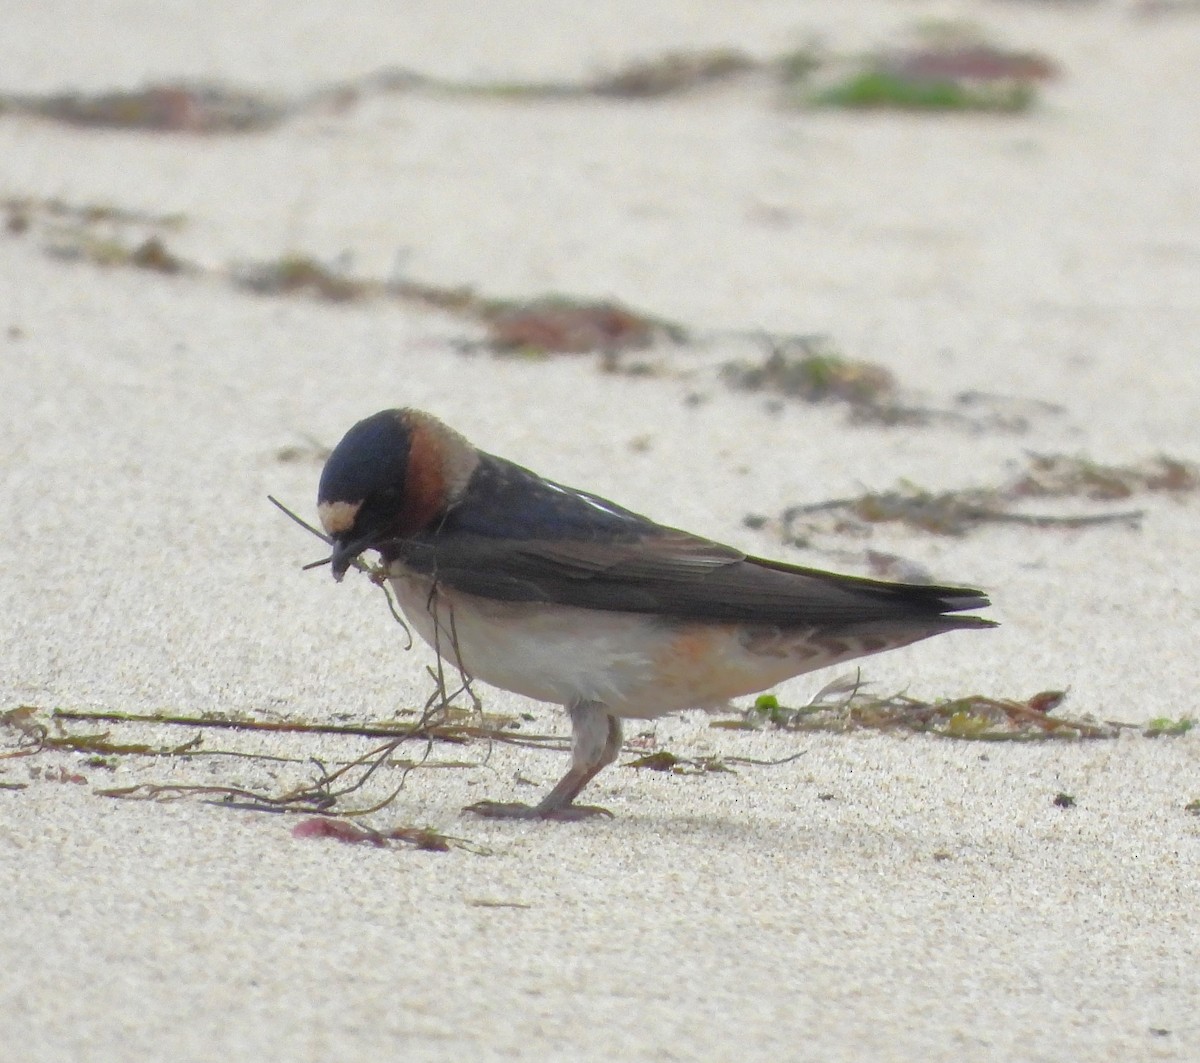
(516, 810)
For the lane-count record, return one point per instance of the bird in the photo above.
(562, 596)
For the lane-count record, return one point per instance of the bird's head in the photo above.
(392, 476)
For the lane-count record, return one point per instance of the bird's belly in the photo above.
(638, 666)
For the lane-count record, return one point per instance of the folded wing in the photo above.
(570, 548)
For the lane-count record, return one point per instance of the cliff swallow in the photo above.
(563, 596)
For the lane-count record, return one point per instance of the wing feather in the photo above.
(676, 575)
(517, 537)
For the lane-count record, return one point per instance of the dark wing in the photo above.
(517, 537)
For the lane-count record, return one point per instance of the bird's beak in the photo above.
(344, 554)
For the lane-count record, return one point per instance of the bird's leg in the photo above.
(596, 741)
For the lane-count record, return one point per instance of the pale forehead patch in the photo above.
(338, 517)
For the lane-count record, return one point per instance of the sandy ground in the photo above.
(879, 897)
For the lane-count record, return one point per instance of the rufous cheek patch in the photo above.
(424, 480)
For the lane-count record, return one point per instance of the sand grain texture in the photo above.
(880, 897)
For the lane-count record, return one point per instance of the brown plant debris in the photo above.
(484, 902)
(452, 726)
(210, 108)
(943, 513)
(948, 67)
(957, 512)
(1058, 476)
(672, 74)
(152, 254)
(559, 324)
(81, 245)
(985, 411)
(28, 208)
(172, 107)
(812, 369)
(617, 363)
(30, 735)
(342, 830)
(548, 324)
(35, 736)
(956, 72)
(311, 450)
(300, 274)
(324, 794)
(663, 760)
(440, 720)
(58, 774)
(844, 705)
(969, 62)
(99, 233)
(305, 275)
(808, 368)
(1150, 9)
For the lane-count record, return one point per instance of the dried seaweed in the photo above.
(152, 254)
(1153, 9)
(302, 274)
(78, 244)
(439, 721)
(560, 324)
(878, 87)
(311, 450)
(327, 792)
(957, 512)
(424, 838)
(481, 902)
(812, 369)
(30, 734)
(664, 760)
(492, 726)
(323, 794)
(948, 73)
(1061, 476)
(948, 67)
(943, 513)
(26, 208)
(211, 108)
(110, 237)
(1166, 727)
(672, 74)
(845, 705)
(160, 108)
(101, 234)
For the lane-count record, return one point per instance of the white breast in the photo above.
(549, 653)
(639, 666)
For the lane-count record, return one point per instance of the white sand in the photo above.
(938, 905)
